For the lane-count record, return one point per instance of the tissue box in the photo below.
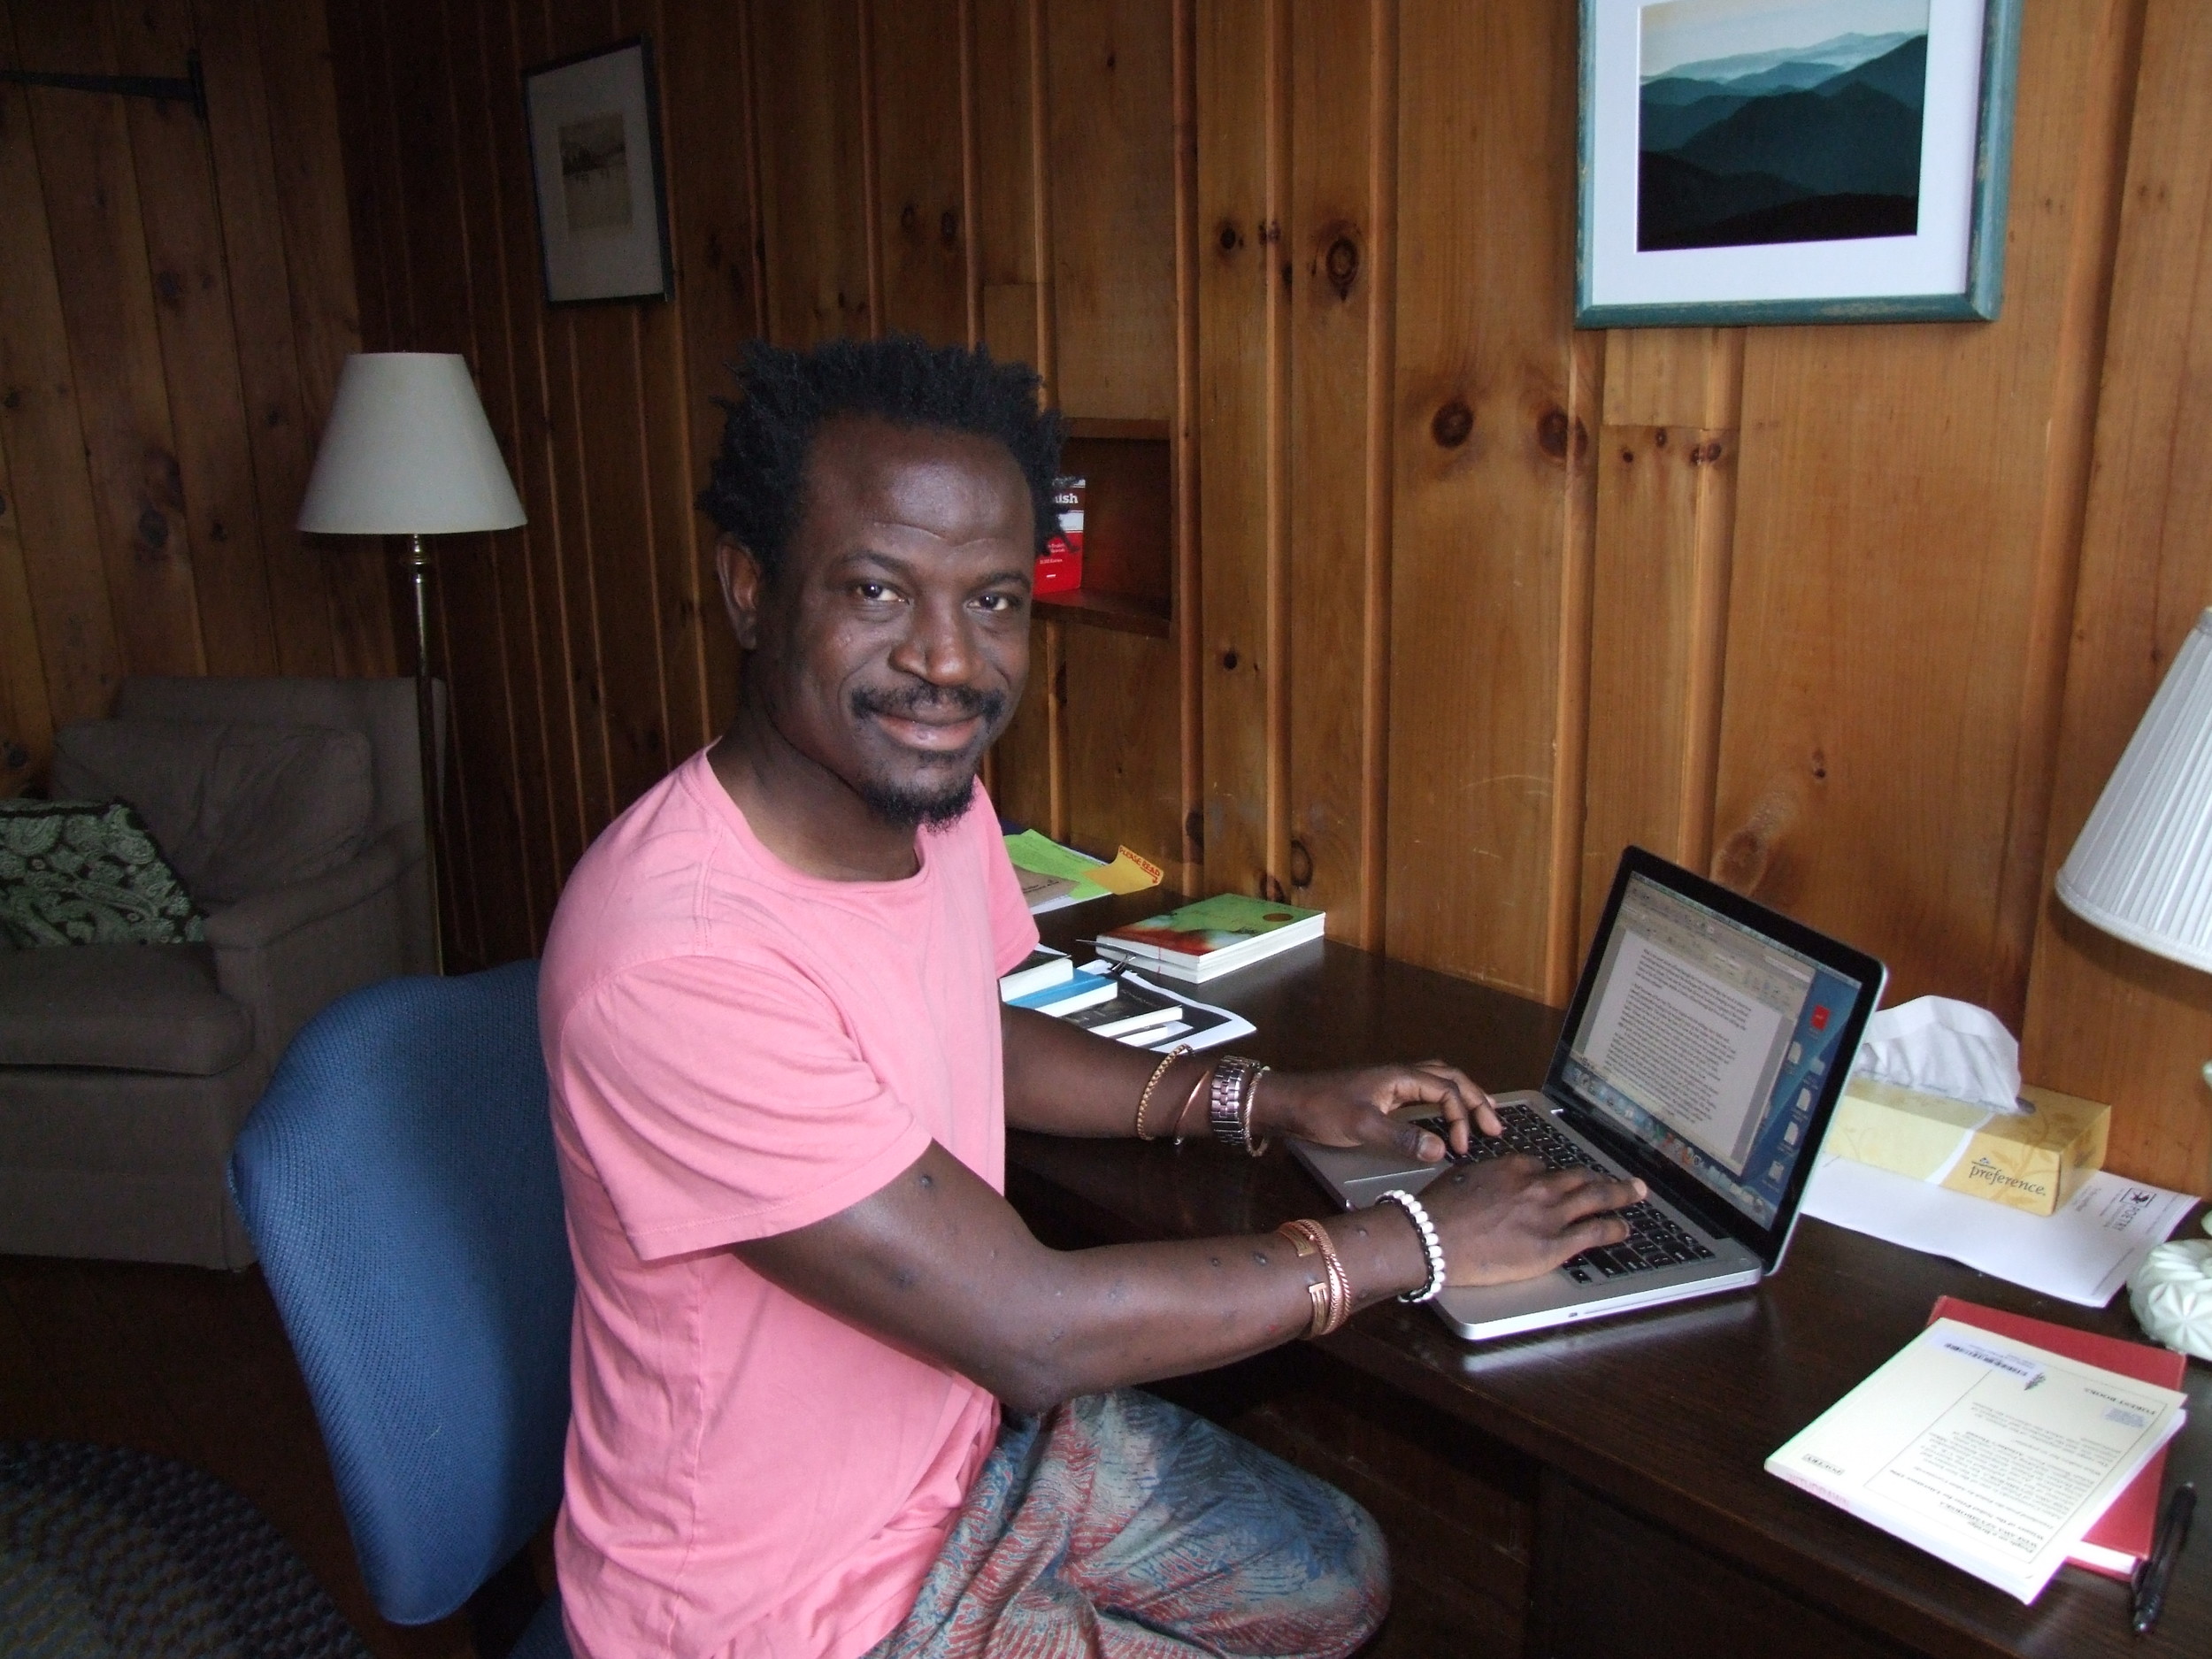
(2032, 1162)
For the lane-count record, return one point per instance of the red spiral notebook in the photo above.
(2122, 1536)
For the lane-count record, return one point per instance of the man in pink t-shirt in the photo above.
(781, 1083)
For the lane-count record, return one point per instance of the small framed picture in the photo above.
(595, 160)
(1790, 161)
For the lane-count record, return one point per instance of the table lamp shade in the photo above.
(407, 451)
(2142, 869)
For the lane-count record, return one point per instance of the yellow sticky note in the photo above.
(1130, 873)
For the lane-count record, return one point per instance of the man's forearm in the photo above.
(1063, 1080)
(938, 1261)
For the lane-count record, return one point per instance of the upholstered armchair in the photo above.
(292, 810)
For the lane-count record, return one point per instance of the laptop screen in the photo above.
(1708, 1042)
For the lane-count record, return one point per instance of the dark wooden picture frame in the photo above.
(597, 175)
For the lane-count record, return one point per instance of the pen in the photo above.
(2151, 1578)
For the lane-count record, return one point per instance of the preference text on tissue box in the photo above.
(2030, 1161)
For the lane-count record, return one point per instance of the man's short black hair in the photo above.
(754, 492)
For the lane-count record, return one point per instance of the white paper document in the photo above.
(1204, 1026)
(2083, 1253)
(1991, 1454)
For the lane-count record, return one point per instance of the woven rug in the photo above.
(107, 1553)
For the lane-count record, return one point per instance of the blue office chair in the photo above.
(399, 1181)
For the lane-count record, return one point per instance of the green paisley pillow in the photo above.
(86, 872)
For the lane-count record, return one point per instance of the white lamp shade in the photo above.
(407, 451)
(2142, 869)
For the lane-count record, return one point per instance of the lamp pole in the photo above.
(426, 741)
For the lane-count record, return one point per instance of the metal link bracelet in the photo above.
(1229, 1105)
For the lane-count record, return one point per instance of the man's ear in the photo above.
(744, 589)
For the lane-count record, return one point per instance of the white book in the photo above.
(1043, 968)
(1992, 1455)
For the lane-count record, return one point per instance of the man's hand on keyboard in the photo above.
(1355, 1108)
(1505, 1218)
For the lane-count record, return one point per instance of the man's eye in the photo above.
(999, 603)
(872, 592)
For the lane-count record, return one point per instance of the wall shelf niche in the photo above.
(1129, 533)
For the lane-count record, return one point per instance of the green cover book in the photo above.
(1227, 925)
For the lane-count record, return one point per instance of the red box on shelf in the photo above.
(1060, 567)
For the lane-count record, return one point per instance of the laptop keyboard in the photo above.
(1654, 1240)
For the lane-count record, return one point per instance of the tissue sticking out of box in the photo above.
(1935, 1046)
(1935, 1095)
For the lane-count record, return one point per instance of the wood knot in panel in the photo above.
(1339, 263)
(1193, 835)
(1751, 860)
(1269, 888)
(1453, 425)
(1229, 238)
(1301, 865)
(1556, 435)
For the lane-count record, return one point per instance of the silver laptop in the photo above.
(1704, 1051)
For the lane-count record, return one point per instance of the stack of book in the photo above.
(1103, 1000)
(2006, 1446)
(1212, 937)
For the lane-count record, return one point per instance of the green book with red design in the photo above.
(1212, 937)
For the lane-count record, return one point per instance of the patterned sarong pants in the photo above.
(1118, 1526)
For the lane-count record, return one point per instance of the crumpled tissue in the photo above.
(1938, 1046)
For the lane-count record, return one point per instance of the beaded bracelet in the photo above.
(1432, 1247)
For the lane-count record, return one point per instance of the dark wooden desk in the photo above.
(1598, 1490)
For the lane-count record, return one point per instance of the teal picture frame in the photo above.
(1979, 301)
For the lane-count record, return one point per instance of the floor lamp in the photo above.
(407, 451)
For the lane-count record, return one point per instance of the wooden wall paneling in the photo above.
(427, 138)
(1666, 468)
(1002, 222)
(609, 411)
(496, 708)
(537, 601)
(576, 609)
(1883, 582)
(2105, 1019)
(2114, 64)
(1327, 234)
(609, 402)
(665, 414)
(1380, 264)
(1110, 156)
(914, 51)
(1486, 459)
(1571, 712)
(278, 441)
(1237, 282)
(1189, 635)
(306, 118)
(94, 216)
(182, 226)
(51, 505)
(26, 721)
(813, 210)
(713, 176)
(1004, 242)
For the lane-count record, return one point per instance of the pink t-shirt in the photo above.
(737, 1050)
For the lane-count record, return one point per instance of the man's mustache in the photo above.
(960, 702)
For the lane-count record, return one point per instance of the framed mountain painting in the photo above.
(1789, 161)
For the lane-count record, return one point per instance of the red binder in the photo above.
(2122, 1536)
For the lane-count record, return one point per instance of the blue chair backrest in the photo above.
(400, 1182)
